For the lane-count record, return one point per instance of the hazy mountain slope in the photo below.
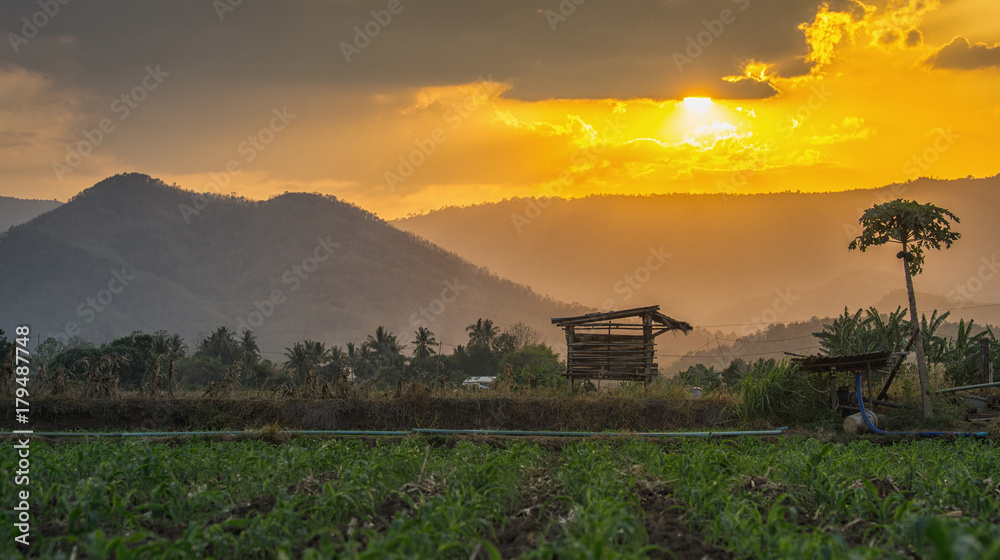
(14, 211)
(733, 260)
(121, 256)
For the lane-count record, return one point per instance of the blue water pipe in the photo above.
(776, 432)
(222, 433)
(418, 431)
(864, 414)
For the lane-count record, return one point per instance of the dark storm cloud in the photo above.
(960, 55)
(546, 48)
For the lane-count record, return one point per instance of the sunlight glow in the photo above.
(697, 104)
(709, 136)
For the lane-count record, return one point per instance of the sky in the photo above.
(404, 106)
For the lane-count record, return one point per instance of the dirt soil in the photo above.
(537, 518)
(666, 528)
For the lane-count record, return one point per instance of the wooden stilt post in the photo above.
(834, 401)
(984, 360)
(647, 339)
(569, 358)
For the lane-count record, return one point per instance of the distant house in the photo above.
(479, 382)
(615, 345)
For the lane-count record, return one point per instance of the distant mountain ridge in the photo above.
(15, 211)
(735, 261)
(128, 254)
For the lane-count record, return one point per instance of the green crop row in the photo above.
(802, 498)
(418, 498)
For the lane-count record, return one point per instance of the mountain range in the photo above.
(132, 253)
(729, 262)
(14, 211)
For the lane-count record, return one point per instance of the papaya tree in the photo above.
(914, 227)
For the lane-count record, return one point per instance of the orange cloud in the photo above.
(959, 54)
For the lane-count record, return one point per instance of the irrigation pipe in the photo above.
(864, 415)
(598, 434)
(419, 431)
(220, 433)
(968, 388)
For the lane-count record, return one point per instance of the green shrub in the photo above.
(774, 392)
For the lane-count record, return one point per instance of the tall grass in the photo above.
(778, 393)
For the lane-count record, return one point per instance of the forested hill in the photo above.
(132, 253)
(14, 211)
(725, 259)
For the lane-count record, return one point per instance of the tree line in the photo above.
(142, 361)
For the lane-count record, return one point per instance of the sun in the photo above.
(697, 104)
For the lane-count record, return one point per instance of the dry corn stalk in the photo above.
(313, 386)
(7, 374)
(102, 380)
(60, 381)
(170, 377)
(230, 382)
(344, 389)
(155, 384)
(310, 387)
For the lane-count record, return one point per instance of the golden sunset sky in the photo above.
(404, 106)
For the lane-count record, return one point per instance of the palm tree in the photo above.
(249, 349)
(298, 361)
(357, 360)
(305, 355)
(385, 348)
(318, 351)
(482, 332)
(338, 361)
(221, 344)
(171, 346)
(424, 343)
(176, 346)
(915, 227)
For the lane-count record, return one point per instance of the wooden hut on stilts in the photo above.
(615, 345)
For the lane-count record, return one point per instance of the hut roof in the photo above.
(601, 317)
